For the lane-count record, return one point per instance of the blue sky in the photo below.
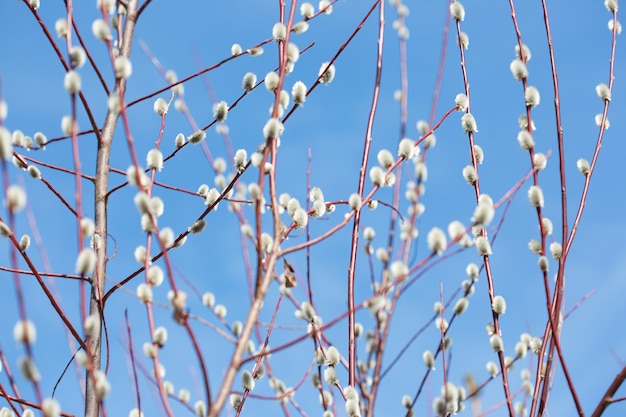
(332, 125)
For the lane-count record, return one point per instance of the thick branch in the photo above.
(101, 187)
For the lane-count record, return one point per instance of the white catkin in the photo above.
(484, 212)
(482, 246)
(307, 10)
(123, 67)
(298, 93)
(457, 11)
(469, 123)
(461, 101)
(518, 69)
(406, 149)
(248, 82)
(463, 40)
(436, 240)
(535, 195)
(220, 111)
(498, 305)
(326, 73)
(86, 261)
(279, 32)
(531, 96)
(300, 27)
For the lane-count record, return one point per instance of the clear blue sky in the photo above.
(332, 125)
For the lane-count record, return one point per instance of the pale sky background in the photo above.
(332, 124)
